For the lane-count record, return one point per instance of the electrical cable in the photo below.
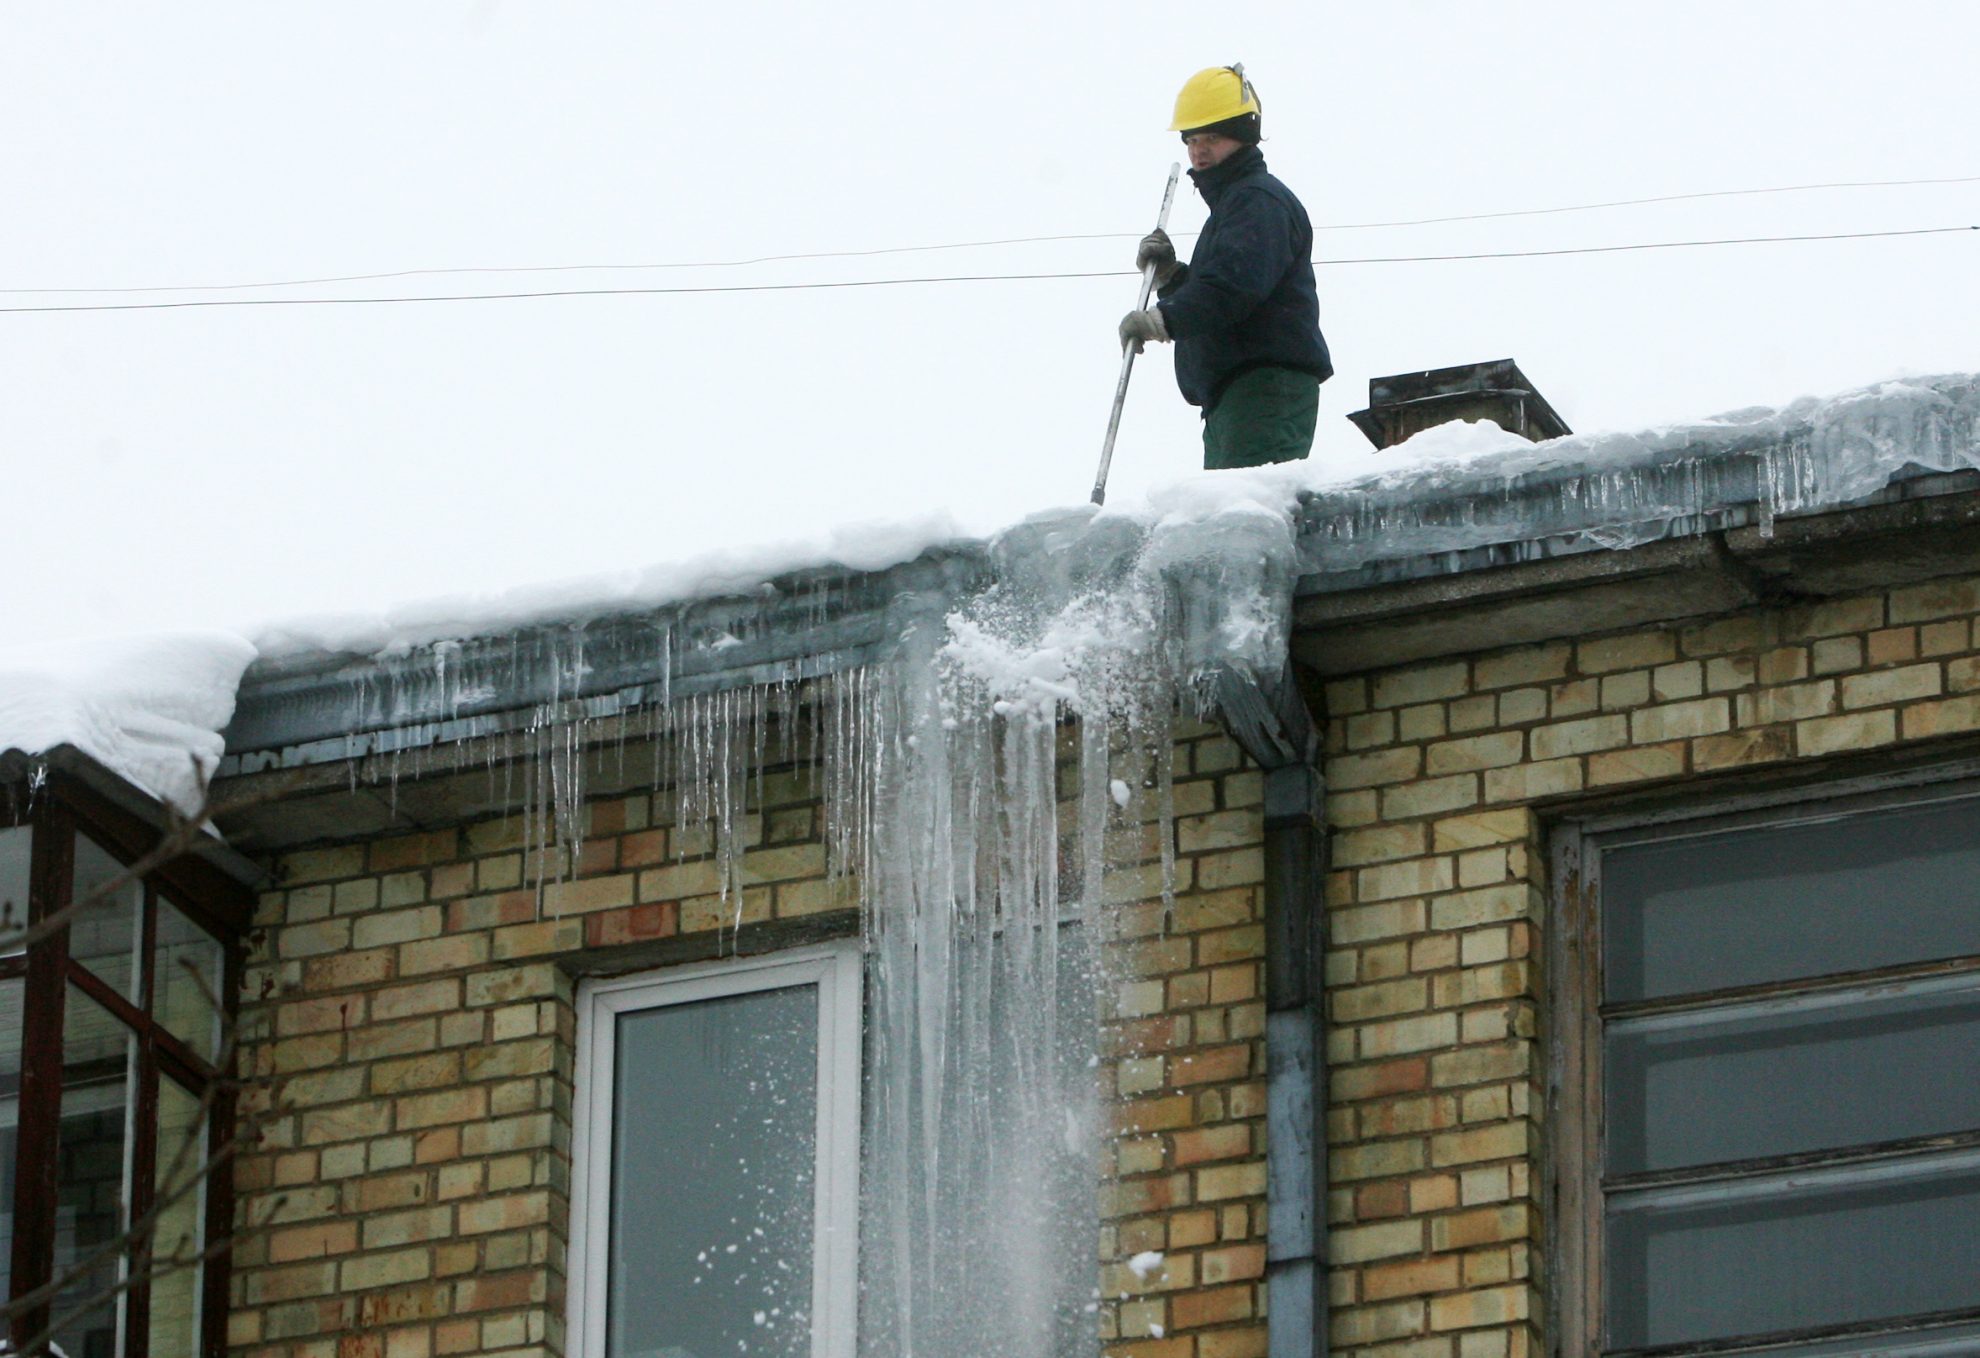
(951, 278)
(974, 244)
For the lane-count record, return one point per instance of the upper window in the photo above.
(715, 1193)
(113, 1115)
(1769, 1101)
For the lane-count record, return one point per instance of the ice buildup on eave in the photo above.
(1226, 549)
(1449, 500)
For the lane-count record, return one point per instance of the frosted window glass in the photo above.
(1782, 902)
(714, 1139)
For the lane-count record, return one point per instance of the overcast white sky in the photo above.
(227, 466)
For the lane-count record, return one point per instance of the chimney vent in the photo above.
(1409, 403)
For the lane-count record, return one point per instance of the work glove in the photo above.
(1156, 248)
(1137, 327)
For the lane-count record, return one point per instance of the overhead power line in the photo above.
(949, 278)
(973, 244)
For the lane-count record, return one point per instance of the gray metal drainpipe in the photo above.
(1295, 1056)
(1272, 724)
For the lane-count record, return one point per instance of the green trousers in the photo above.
(1266, 415)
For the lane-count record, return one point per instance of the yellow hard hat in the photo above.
(1212, 95)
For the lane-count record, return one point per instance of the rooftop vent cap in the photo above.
(1409, 403)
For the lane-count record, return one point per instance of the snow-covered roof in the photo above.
(1452, 499)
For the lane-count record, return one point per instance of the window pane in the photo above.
(10, 1120)
(15, 842)
(180, 1235)
(92, 1160)
(1771, 904)
(1834, 1255)
(188, 981)
(1789, 1076)
(104, 936)
(714, 1134)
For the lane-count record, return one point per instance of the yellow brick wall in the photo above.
(408, 1009)
(1185, 1038)
(1439, 779)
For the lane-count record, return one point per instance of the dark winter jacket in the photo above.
(1247, 298)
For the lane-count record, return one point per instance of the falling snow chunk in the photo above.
(1144, 1264)
(1119, 789)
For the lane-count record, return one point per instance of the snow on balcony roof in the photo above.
(147, 708)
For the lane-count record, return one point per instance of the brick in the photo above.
(1942, 718)
(1528, 665)
(1213, 1066)
(1377, 844)
(1391, 919)
(1423, 684)
(1369, 770)
(1828, 735)
(1349, 1083)
(1426, 721)
(1358, 1004)
(1346, 696)
(1578, 737)
(1677, 681)
(1482, 1226)
(1226, 1142)
(1481, 1306)
(1760, 745)
(1210, 1306)
(1395, 1037)
(1635, 651)
(1477, 752)
(1432, 796)
(1744, 633)
(1788, 702)
(322, 865)
(1359, 1244)
(1891, 646)
(1637, 765)
(634, 924)
(1482, 905)
(1376, 1160)
(1835, 654)
(1412, 877)
(1501, 1142)
(1679, 721)
(1939, 599)
(1409, 1277)
(1620, 692)
(1368, 729)
(1890, 686)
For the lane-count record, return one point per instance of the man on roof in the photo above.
(1244, 312)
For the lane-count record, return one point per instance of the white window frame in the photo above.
(835, 970)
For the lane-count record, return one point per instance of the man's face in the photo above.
(1208, 150)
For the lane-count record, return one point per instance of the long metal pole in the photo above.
(1127, 348)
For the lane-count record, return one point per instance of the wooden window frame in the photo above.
(1574, 1192)
(836, 970)
(56, 810)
